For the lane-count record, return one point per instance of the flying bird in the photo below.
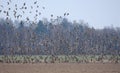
(51, 15)
(30, 12)
(43, 7)
(7, 13)
(7, 3)
(64, 14)
(35, 2)
(37, 6)
(7, 19)
(36, 10)
(36, 15)
(22, 8)
(23, 12)
(15, 5)
(25, 7)
(67, 14)
(15, 8)
(24, 4)
(8, 8)
(4, 11)
(0, 11)
(19, 16)
(1, 6)
(27, 18)
(39, 13)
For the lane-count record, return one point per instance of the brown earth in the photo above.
(59, 68)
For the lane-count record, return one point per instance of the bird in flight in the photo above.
(64, 14)
(35, 2)
(43, 7)
(51, 15)
(67, 14)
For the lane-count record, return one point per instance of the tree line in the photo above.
(57, 37)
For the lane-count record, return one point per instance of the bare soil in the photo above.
(59, 68)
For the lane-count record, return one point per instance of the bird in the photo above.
(0, 11)
(1, 6)
(67, 14)
(25, 7)
(23, 12)
(7, 3)
(37, 6)
(35, 2)
(43, 7)
(24, 4)
(36, 15)
(36, 10)
(14, 15)
(14, 11)
(15, 8)
(4, 11)
(15, 5)
(19, 16)
(39, 13)
(7, 13)
(8, 8)
(7, 19)
(30, 12)
(64, 14)
(27, 18)
(51, 15)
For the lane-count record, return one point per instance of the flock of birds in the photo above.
(24, 7)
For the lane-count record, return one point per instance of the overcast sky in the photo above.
(98, 13)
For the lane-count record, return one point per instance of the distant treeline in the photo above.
(57, 37)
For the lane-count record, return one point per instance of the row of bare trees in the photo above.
(57, 37)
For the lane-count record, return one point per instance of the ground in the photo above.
(59, 68)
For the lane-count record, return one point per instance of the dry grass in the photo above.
(59, 68)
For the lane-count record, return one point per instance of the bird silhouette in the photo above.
(39, 13)
(15, 5)
(27, 18)
(36, 10)
(25, 7)
(51, 15)
(1, 6)
(37, 6)
(43, 7)
(7, 14)
(36, 15)
(0, 11)
(24, 4)
(64, 14)
(30, 12)
(67, 14)
(15, 8)
(8, 8)
(7, 3)
(7, 19)
(18, 16)
(35, 2)
(4, 11)
(23, 12)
